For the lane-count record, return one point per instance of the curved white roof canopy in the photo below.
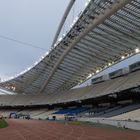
(105, 31)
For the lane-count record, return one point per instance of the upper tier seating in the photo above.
(70, 111)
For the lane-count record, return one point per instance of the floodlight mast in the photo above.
(70, 5)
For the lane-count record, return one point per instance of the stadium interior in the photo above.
(105, 33)
(114, 96)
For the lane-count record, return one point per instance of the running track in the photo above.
(42, 130)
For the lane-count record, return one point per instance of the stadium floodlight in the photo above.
(137, 50)
(74, 21)
(28, 68)
(81, 81)
(64, 35)
(89, 75)
(60, 39)
(46, 54)
(113, 62)
(36, 63)
(87, 2)
(71, 25)
(109, 64)
(97, 71)
(105, 66)
(122, 57)
(55, 45)
(76, 18)
(13, 88)
(11, 77)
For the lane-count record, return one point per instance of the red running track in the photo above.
(43, 130)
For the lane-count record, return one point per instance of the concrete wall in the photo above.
(118, 123)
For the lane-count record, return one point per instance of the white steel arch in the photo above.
(104, 32)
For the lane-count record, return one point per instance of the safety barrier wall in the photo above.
(119, 123)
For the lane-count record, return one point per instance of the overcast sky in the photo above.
(31, 21)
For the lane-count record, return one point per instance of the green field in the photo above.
(3, 123)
